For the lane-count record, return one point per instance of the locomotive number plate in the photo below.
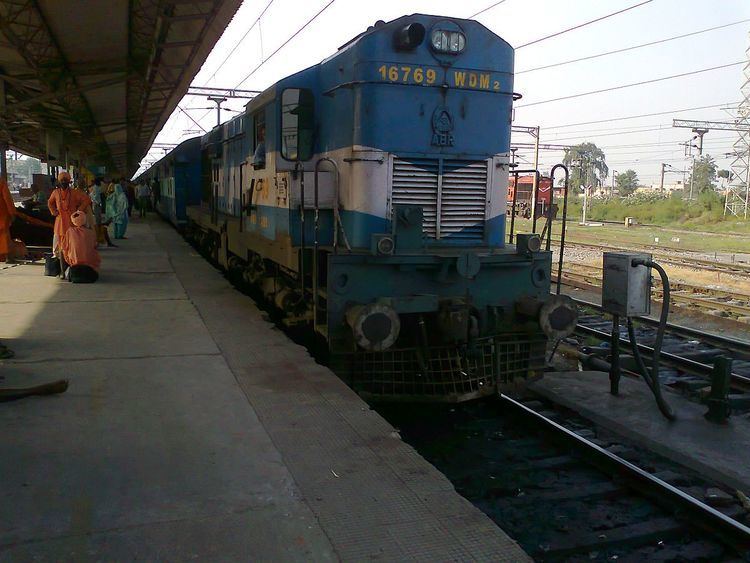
(429, 76)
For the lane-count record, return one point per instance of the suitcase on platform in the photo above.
(51, 265)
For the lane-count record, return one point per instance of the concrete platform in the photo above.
(719, 452)
(193, 429)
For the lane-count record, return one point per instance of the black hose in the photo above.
(652, 377)
(614, 370)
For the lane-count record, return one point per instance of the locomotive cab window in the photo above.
(297, 123)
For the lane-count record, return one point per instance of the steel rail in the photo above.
(685, 364)
(583, 281)
(698, 263)
(726, 342)
(685, 508)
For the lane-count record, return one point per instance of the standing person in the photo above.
(40, 196)
(97, 203)
(7, 213)
(144, 196)
(79, 249)
(117, 211)
(130, 193)
(62, 203)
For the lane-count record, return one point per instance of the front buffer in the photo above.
(448, 325)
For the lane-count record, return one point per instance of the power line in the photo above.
(640, 115)
(285, 43)
(580, 25)
(191, 118)
(644, 127)
(610, 134)
(621, 86)
(623, 50)
(236, 45)
(487, 9)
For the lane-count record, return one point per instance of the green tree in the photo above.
(626, 182)
(587, 164)
(25, 167)
(704, 174)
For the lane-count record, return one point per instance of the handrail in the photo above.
(300, 169)
(564, 219)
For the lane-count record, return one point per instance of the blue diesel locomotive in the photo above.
(365, 197)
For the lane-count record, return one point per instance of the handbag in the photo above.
(51, 265)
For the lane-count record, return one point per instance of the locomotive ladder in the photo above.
(316, 229)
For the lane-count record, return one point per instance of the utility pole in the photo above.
(742, 125)
(661, 181)
(536, 173)
(612, 189)
(218, 100)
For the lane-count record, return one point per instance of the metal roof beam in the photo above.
(59, 95)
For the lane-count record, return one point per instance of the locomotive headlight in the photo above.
(444, 41)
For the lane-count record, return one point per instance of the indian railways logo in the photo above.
(442, 126)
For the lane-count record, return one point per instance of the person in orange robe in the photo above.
(7, 213)
(62, 203)
(79, 250)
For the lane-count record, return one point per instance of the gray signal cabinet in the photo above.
(626, 289)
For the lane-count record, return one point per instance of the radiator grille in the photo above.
(416, 183)
(464, 199)
(452, 193)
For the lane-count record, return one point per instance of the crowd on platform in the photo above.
(82, 215)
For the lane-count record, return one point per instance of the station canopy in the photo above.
(91, 82)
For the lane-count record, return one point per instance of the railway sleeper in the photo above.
(630, 536)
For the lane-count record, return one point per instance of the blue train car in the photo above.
(175, 181)
(365, 197)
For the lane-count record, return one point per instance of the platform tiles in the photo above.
(194, 429)
(719, 452)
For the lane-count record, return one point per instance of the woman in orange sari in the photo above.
(63, 202)
(7, 213)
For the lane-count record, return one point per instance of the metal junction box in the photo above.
(626, 289)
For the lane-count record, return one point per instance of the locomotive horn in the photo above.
(409, 36)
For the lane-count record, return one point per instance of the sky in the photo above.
(640, 144)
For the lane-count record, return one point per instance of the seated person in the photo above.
(79, 251)
(259, 156)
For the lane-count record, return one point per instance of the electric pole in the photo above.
(218, 100)
(735, 200)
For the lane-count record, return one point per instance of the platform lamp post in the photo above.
(218, 100)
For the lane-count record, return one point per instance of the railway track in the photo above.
(734, 268)
(565, 493)
(708, 299)
(689, 353)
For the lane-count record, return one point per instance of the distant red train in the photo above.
(523, 199)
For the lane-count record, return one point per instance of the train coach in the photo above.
(520, 191)
(175, 181)
(365, 198)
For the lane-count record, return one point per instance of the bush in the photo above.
(659, 209)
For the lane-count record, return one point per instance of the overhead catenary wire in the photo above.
(238, 43)
(631, 85)
(622, 118)
(191, 118)
(631, 48)
(285, 43)
(487, 9)
(584, 24)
